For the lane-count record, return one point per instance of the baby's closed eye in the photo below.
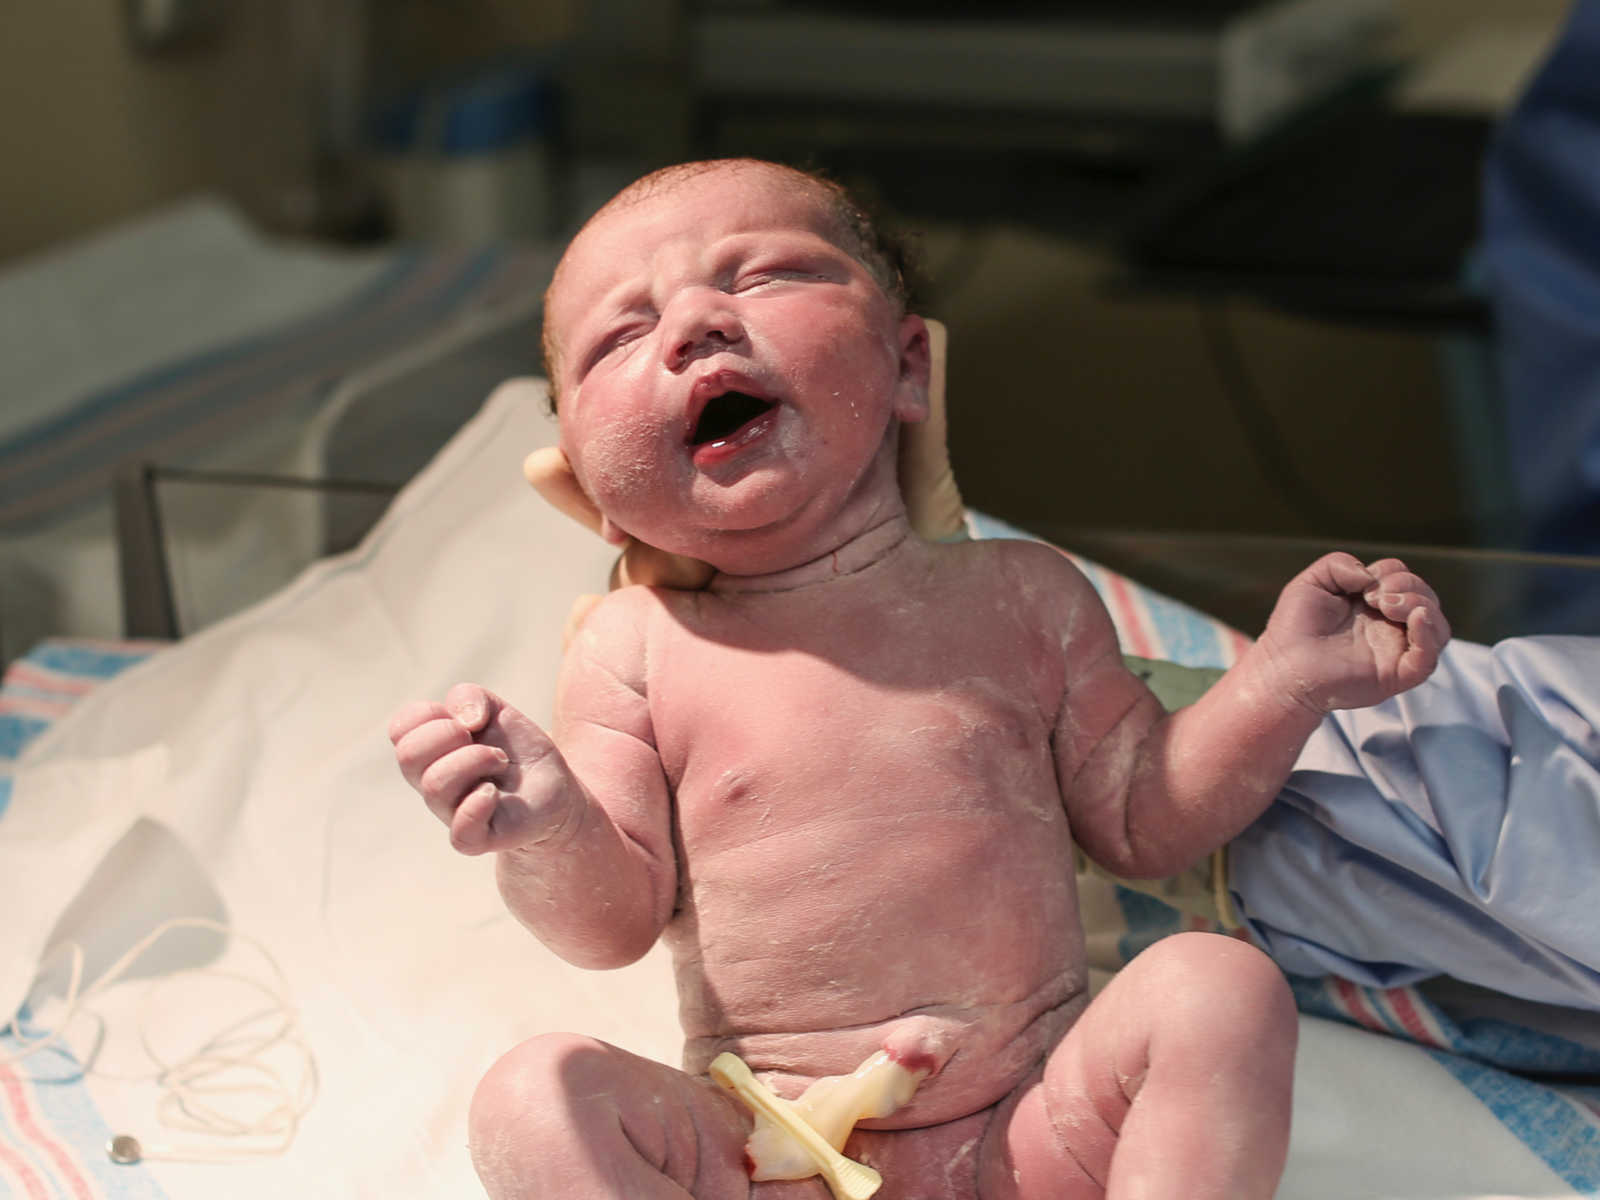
(788, 266)
(613, 341)
(769, 275)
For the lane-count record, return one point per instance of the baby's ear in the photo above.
(921, 367)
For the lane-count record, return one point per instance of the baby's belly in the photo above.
(945, 931)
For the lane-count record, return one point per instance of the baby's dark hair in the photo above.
(866, 237)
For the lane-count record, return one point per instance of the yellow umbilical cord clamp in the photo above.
(846, 1178)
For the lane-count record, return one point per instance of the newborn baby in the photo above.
(844, 781)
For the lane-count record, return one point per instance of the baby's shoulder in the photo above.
(1041, 585)
(628, 621)
(614, 632)
(619, 611)
(1022, 567)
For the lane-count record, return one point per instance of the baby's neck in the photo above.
(872, 545)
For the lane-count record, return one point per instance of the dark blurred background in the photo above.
(1206, 265)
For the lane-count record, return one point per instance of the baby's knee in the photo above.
(536, 1069)
(569, 1116)
(1222, 992)
(521, 1107)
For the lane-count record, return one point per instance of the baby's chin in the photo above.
(702, 514)
(771, 517)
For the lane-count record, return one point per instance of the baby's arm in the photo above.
(1149, 793)
(582, 832)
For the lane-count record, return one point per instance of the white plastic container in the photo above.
(470, 160)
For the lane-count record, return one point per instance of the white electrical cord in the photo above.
(202, 1092)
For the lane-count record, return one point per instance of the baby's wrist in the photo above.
(1283, 685)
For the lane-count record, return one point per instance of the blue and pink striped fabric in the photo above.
(52, 1137)
(1516, 1073)
(38, 688)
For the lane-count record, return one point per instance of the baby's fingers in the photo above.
(417, 748)
(1397, 593)
(1427, 631)
(491, 818)
(472, 705)
(1390, 575)
(1397, 606)
(413, 716)
(472, 824)
(1338, 574)
(447, 782)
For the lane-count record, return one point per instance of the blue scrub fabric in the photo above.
(1453, 830)
(1540, 263)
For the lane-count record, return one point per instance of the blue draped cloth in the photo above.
(1453, 830)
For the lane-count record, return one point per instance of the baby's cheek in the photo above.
(618, 466)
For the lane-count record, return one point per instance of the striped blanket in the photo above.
(180, 409)
(52, 1135)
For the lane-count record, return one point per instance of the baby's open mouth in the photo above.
(726, 414)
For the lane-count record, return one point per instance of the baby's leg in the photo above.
(1175, 1082)
(570, 1117)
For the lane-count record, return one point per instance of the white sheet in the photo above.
(259, 747)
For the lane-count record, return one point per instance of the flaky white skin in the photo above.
(844, 786)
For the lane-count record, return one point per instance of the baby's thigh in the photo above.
(570, 1116)
(936, 1162)
(1201, 1030)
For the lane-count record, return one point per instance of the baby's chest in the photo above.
(761, 741)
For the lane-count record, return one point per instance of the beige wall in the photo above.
(91, 132)
(95, 132)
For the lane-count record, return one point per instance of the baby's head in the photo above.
(853, 229)
(731, 355)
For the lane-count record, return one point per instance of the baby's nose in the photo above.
(708, 329)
